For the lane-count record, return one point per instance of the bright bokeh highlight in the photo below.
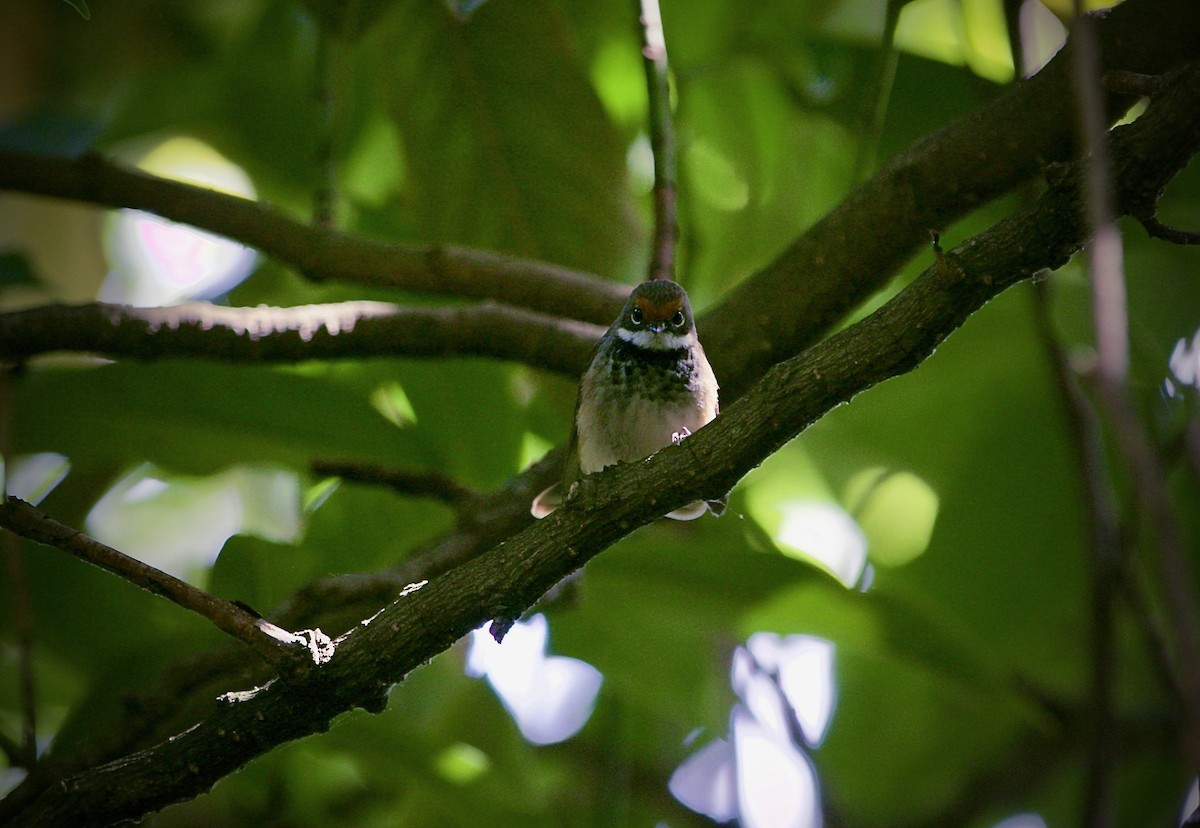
(715, 178)
(1184, 366)
(1191, 802)
(33, 476)
(549, 697)
(803, 665)
(776, 784)
(790, 499)
(959, 32)
(390, 400)
(157, 262)
(461, 763)
(761, 775)
(1022, 821)
(179, 523)
(896, 512)
(707, 782)
(1042, 35)
(826, 534)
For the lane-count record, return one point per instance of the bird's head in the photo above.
(658, 316)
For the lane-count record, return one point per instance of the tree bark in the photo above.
(500, 584)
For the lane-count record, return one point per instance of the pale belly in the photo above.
(635, 428)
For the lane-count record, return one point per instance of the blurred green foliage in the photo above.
(519, 125)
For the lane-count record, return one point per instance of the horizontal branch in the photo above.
(1174, 235)
(403, 481)
(851, 253)
(503, 582)
(319, 253)
(346, 330)
(274, 645)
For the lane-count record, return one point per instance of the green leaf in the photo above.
(506, 141)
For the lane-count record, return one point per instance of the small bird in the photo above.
(649, 385)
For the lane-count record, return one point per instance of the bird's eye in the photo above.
(677, 320)
(635, 316)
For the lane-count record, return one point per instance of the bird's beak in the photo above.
(659, 328)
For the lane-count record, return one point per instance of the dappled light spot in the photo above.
(1190, 814)
(33, 476)
(715, 178)
(533, 449)
(463, 9)
(1184, 366)
(10, 778)
(314, 496)
(707, 782)
(156, 262)
(776, 784)
(315, 775)
(790, 499)
(761, 775)
(549, 697)
(803, 665)
(826, 534)
(639, 160)
(179, 523)
(617, 75)
(958, 32)
(462, 763)
(390, 400)
(1022, 821)
(896, 512)
(1042, 35)
(374, 165)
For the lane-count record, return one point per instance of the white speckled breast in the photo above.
(635, 425)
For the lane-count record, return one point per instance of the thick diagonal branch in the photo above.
(856, 249)
(511, 576)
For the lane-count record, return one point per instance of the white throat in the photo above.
(663, 341)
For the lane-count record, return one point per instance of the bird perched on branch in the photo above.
(649, 385)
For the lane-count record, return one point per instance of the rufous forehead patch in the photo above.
(658, 312)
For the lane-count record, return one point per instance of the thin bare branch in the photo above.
(1111, 323)
(881, 92)
(662, 139)
(410, 483)
(1158, 230)
(346, 330)
(1105, 260)
(1107, 560)
(274, 645)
